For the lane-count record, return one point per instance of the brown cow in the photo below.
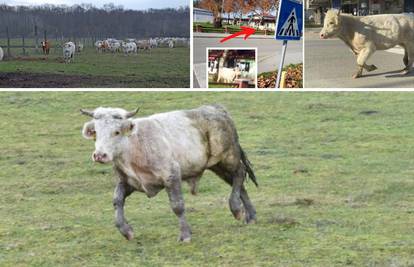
(45, 47)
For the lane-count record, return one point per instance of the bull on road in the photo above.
(160, 151)
(365, 35)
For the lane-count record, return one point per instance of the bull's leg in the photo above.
(234, 200)
(250, 211)
(370, 67)
(408, 60)
(122, 191)
(405, 59)
(177, 204)
(363, 56)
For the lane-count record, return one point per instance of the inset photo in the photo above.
(232, 68)
(359, 44)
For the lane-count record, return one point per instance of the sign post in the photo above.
(289, 25)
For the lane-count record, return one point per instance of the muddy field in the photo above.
(159, 68)
(35, 80)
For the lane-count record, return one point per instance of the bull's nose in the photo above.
(321, 35)
(99, 157)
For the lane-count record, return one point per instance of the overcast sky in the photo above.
(129, 4)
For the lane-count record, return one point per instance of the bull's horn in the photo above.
(131, 113)
(87, 112)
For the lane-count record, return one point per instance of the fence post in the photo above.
(36, 39)
(23, 46)
(8, 42)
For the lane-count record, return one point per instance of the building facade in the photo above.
(316, 8)
(203, 15)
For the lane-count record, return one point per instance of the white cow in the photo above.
(99, 46)
(143, 45)
(114, 45)
(171, 44)
(69, 52)
(149, 154)
(1, 54)
(228, 75)
(153, 43)
(130, 47)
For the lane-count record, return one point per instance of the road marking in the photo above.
(200, 73)
(396, 50)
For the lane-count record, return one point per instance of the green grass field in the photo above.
(335, 171)
(160, 68)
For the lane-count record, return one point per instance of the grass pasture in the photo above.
(335, 172)
(160, 68)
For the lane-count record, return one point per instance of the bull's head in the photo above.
(331, 24)
(110, 128)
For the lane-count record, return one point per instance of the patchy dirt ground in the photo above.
(35, 80)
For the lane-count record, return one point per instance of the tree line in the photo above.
(238, 8)
(87, 20)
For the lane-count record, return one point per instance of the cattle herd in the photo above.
(133, 45)
(111, 45)
(127, 46)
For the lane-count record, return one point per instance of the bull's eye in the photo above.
(117, 133)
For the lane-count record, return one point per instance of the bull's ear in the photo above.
(88, 131)
(127, 127)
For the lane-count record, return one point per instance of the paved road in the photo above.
(330, 64)
(269, 52)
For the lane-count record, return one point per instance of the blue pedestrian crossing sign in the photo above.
(289, 22)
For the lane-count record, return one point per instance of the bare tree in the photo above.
(262, 8)
(88, 21)
(215, 6)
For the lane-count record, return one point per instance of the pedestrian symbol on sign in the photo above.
(290, 27)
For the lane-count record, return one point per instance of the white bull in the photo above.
(69, 52)
(365, 35)
(113, 45)
(129, 48)
(161, 151)
(1, 54)
(228, 75)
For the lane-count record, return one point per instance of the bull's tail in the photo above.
(248, 166)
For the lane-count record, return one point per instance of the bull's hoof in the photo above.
(185, 238)
(127, 232)
(251, 221)
(129, 235)
(357, 75)
(238, 215)
(404, 72)
(371, 68)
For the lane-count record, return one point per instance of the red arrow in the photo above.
(245, 30)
